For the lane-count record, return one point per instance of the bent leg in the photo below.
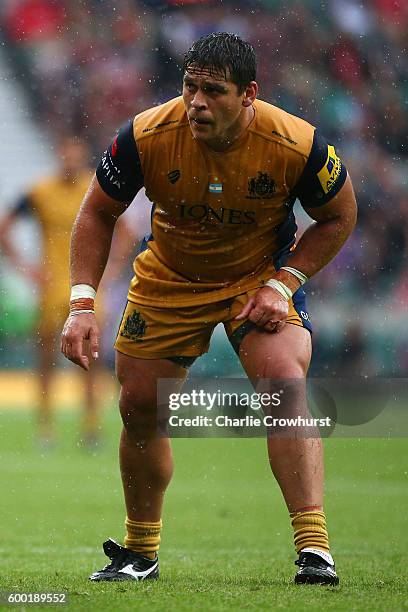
(297, 462)
(296, 459)
(146, 461)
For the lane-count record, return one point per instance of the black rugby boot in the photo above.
(315, 568)
(125, 565)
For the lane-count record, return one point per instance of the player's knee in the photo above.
(292, 371)
(137, 408)
(283, 369)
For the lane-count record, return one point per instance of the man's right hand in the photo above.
(77, 328)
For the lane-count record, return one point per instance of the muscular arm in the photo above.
(90, 246)
(118, 179)
(320, 243)
(32, 271)
(326, 193)
(92, 235)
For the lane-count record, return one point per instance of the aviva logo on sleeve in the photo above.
(330, 172)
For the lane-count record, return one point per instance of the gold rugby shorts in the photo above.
(159, 333)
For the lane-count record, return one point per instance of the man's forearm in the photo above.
(90, 245)
(319, 244)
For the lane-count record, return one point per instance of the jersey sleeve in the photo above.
(323, 175)
(119, 172)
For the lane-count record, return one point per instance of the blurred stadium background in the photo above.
(85, 67)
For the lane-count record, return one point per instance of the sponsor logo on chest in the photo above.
(222, 215)
(260, 187)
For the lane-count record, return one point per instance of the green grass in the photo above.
(227, 542)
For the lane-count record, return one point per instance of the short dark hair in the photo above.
(220, 52)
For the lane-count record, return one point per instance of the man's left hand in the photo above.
(267, 309)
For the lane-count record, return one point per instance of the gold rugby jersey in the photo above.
(55, 203)
(221, 221)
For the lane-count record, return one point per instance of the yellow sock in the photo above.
(310, 530)
(143, 538)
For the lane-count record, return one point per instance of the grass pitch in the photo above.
(227, 542)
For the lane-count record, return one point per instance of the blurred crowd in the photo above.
(89, 65)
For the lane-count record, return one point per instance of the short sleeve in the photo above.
(323, 175)
(119, 172)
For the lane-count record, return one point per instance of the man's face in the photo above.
(213, 104)
(73, 155)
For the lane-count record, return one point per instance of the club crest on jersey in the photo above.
(174, 176)
(331, 170)
(134, 327)
(261, 187)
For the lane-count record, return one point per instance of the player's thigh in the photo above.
(152, 333)
(283, 355)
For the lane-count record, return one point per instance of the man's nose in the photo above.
(198, 101)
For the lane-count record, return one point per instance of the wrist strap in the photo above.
(280, 287)
(82, 291)
(299, 275)
(81, 305)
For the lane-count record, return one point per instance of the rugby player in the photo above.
(223, 170)
(54, 203)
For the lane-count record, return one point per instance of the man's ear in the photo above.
(251, 91)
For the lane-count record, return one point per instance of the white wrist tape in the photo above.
(299, 275)
(280, 287)
(82, 291)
